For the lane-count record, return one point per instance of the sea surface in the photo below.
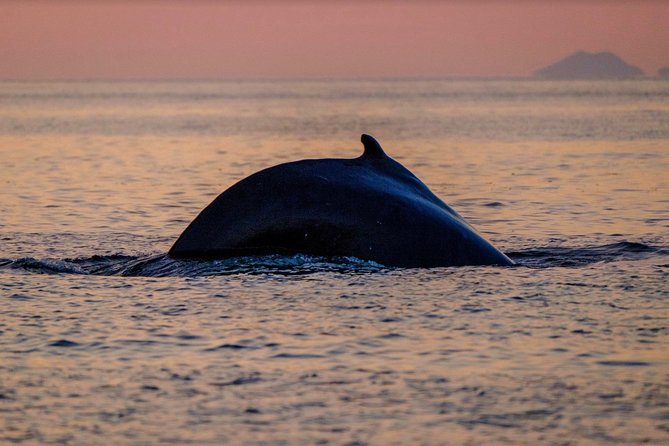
(106, 340)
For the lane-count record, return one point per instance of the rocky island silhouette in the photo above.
(584, 65)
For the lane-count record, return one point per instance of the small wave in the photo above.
(161, 265)
(575, 257)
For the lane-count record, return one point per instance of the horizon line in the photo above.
(319, 79)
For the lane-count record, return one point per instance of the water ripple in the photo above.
(161, 265)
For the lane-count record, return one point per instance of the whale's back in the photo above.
(369, 207)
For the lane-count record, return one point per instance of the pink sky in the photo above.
(320, 39)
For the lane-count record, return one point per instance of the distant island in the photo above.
(583, 65)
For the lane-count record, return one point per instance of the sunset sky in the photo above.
(319, 39)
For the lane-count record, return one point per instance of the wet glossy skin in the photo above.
(370, 207)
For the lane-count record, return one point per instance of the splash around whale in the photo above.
(370, 207)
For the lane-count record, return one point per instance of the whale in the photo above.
(370, 207)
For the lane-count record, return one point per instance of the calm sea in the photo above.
(105, 340)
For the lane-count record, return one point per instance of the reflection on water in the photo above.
(103, 336)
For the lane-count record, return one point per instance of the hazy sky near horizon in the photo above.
(118, 39)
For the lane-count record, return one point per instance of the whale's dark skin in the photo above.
(370, 207)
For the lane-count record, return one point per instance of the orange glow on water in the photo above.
(109, 173)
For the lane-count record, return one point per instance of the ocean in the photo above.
(106, 340)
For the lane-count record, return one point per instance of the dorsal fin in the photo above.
(372, 147)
